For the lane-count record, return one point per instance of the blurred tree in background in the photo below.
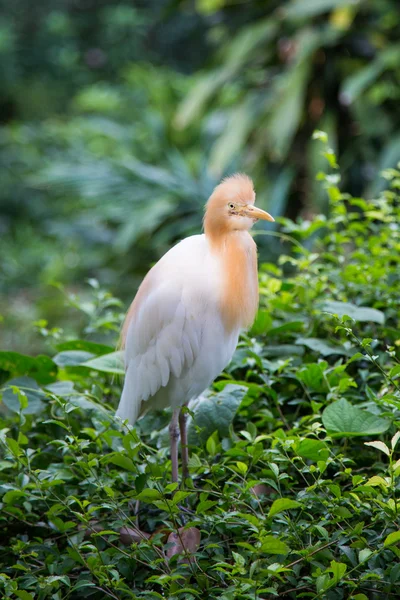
(118, 118)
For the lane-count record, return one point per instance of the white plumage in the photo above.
(176, 342)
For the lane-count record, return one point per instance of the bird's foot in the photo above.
(186, 514)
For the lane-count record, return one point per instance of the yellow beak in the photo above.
(256, 213)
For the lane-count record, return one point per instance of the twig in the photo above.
(295, 562)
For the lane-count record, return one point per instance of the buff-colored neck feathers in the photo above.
(236, 251)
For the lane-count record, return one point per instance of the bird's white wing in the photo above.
(162, 339)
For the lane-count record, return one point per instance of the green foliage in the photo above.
(117, 121)
(293, 67)
(292, 494)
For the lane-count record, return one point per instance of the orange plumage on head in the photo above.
(236, 188)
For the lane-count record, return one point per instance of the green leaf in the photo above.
(392, 538)
(394, 440)
(141, 481)
(282, 504)
(379, 446)
(5, 464)
(41, 368)
(179, 496)
(61, 388)
(394, 372)
(171, 487)
(322, 532)
(343, 419)
(22, 399)
(82, 583)
(358, 313)
(377, 480)
(204, 506)
(108, 363)
(215, 413)
(313, 376)
(338, 570)
(12, 495)
(262, 323)
(321, 346)
(87, 404)
(149, 495)
(239, 559)
(211, 446)
(289, 327)
(34, 396)
(90, 347)
(283, 350)
(122, 461)
(313, 449)
(23, 595)
(364, 554)
(13, 446)
(273, 545)
(72, 358)
(241, 467)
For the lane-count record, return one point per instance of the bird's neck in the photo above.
(237, 254)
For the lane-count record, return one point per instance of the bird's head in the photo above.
(231, 206)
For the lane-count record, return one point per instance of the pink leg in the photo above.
(174, 436)
(184, 443)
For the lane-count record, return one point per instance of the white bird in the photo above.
(183, 326)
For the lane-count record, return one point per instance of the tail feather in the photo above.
(129, 405)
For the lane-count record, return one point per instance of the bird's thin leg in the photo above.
(184, 442)
(174, 436)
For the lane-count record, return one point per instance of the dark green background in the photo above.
(118, 118)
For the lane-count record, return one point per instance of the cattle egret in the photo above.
(183, 326)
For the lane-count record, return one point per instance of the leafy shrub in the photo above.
(295, 483)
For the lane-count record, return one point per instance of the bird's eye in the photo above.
(231, 206)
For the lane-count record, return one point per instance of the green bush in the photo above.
(295, 485)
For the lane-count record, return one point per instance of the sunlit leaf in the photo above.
(380, 446)
(392, 538)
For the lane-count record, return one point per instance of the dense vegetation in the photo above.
(119, 117)
(295, 470)
(116, 121)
